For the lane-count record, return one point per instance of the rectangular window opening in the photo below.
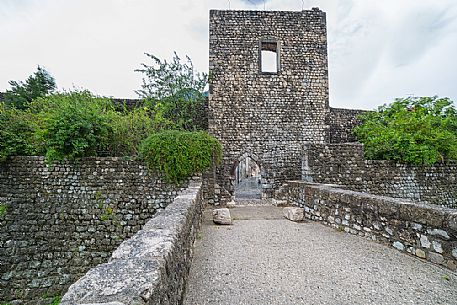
(269, 57)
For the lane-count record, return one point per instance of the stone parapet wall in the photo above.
(341, 123)
(151, 267)
(345, 165)
(62, 220)
(425, 231)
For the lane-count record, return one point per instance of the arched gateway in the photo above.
(268, 91)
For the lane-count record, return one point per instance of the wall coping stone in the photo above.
(140, 267)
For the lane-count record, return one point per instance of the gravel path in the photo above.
(265, 259)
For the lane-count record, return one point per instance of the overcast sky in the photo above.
(378, 50)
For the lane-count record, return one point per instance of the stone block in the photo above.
(387, 208)
(452, 265)
(222, 216)
(452, 222)
(422, 213)
(293, 214)
(437, 247)
(370, 204)
(420, 253)
(435, 258)
(439, 233)
(399, 246)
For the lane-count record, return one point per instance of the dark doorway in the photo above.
(248, 179)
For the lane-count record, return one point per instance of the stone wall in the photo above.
(341, 123)
(425, 231)
(267, 116)
(344, 164)
(151, 267)
(62, 220)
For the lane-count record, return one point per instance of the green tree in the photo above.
(177, 88)
(39, 84)
(415, 130)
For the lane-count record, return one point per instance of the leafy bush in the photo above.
(180, 154)
(420, 131)
(75, 124)
(132, 127)
(16, 133)
(37, 85)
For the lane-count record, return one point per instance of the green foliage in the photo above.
(55, 300)
(37, 85)
(75, 124)
(420, 131)
(3, 209)
(16, 133)
(177, 88)
(107, 214)
(184, 109)
(131, 127)
(180, 154)
(165, 79)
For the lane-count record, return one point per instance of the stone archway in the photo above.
(247, 178)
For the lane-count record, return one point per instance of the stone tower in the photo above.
(268, 90)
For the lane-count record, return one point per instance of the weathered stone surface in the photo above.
(424, 214)
(64, 219)
(452, 265)
(425, 243)
(222, 216)
(152, 266)
(344, 164)
(293, 214)
(341, 123)
(267, 116)
(428, 240)
(110, 303)
(421, 253)
(454, 253)
(437, 246)
(435, 258)
(399, 246)
(439, 233)
(452, 222)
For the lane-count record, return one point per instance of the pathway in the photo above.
(265, 259)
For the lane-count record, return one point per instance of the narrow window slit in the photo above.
(269, 59)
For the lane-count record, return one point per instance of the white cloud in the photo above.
(377, 49)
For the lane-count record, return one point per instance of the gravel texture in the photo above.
(264, 259)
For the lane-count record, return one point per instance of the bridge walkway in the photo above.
(265, 259)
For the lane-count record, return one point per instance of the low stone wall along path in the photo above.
(265, 259)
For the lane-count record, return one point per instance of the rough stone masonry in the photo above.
(64, 219)
(267, 116)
